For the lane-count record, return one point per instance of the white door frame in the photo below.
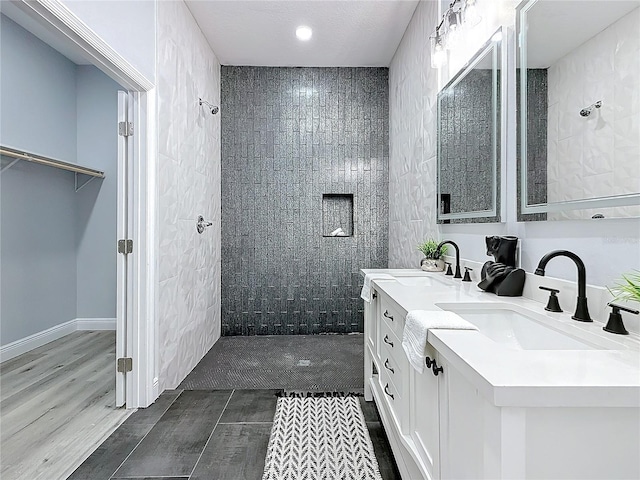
(142, 382)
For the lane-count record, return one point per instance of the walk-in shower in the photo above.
(304, 155)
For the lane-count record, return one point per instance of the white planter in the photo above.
(430, 265)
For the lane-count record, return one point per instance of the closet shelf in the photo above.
(50, 162)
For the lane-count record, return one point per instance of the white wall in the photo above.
(585, 156)
(412, 142)
(609, 248)
(128, 26)
(188, 185)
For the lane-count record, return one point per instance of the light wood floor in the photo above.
(57, 405)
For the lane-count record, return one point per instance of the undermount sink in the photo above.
(520, 330)
(417, 280)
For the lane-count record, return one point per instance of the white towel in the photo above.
(417, 326)
(366, 292)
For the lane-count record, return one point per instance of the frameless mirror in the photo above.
(578, 78)
(470, 122)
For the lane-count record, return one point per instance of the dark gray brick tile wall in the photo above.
(290, 135)
(537, 112)
(466, 148)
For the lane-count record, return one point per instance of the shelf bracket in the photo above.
(9, 165)
(80, 185)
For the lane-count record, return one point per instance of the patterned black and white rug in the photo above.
(320, 438)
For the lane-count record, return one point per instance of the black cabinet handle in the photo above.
(386, 314)
(433, 366)
(386, 390)
(386, 365)
(386, 340)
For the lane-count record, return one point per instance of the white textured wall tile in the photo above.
(586, 151)
(188, 186)
(413, 86)
(412, 82)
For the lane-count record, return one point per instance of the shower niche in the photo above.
(337, 215)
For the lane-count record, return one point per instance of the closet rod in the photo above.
(50, 162)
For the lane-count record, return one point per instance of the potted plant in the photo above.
(432, 261)
(627, 289)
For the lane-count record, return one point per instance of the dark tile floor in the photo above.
(198, 435)
(323, 363)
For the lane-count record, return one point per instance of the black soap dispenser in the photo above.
(615, 324)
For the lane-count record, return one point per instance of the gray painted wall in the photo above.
(38, 209)
(290, 135)
(97, 100)
(38, 95)
(43, 221)
(37, 250)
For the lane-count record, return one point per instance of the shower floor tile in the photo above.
(289, 362)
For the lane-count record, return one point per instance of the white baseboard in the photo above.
(24, 345)
(95, 323)
(36, 340)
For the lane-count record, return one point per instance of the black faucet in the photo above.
(457, 274)
(582, 310)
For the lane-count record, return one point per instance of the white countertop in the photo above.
(526, 378)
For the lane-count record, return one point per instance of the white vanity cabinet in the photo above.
(393, 377)
(495, 413)
(408, 401)
(435, 423)
(424, 413)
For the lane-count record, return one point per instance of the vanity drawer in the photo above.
(392, 394)
(392, 317)
(394, 371)
(394, 398)
(391, 347)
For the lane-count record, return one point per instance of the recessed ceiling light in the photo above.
(303, 33)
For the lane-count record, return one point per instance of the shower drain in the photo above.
(304, 363)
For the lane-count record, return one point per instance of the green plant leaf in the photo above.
(628, 288)
(430, 249)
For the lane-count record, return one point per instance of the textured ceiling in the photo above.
(345, 33)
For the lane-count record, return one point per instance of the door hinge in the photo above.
(125, 365)
(125, 246)
(125, 129)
